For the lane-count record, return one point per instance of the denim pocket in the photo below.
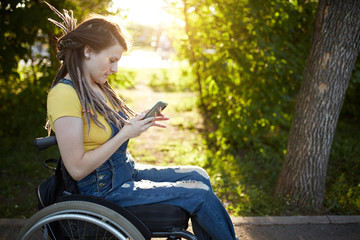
(97, 183)
(88, 185)
(104, 181)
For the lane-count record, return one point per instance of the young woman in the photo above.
(93, 127)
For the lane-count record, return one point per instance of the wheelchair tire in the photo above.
(78, 220)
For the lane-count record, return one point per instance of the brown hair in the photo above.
(98, 33)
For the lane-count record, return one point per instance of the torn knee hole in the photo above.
(192, 185)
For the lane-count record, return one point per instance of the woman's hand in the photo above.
(139, 125)
(161, 117)
(136, 126)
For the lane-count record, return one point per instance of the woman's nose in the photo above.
(114, 68)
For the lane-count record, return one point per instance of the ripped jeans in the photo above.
(121, 181)
(186, 186)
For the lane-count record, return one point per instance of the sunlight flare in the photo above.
(144, 12)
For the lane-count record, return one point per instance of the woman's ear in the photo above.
(87, 52)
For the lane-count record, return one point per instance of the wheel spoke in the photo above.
(78, 220)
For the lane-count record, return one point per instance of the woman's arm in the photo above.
(69, 134)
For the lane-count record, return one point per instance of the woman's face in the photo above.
(98, 66)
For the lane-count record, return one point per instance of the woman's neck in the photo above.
(67, 76)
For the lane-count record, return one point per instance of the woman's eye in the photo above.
(112, 60)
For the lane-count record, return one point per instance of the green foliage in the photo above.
(245, 182)
(171, 79)
(343, 198)
(249, 58)
(24, 87)
(250, 61)
(126, 78)
(351, 105)
(21, 170)
(343, 178)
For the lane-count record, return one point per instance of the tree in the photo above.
(248, 57)
(335, 46)
(243, 53)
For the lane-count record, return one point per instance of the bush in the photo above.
(248, 58)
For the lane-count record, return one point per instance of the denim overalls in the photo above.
(121, 181)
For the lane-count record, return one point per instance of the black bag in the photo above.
(55, 186)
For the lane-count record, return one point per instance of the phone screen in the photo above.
(155, 110)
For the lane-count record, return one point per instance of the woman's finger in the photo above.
(158, 125)
(162, 118)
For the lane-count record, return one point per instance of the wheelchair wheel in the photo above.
(78, 220)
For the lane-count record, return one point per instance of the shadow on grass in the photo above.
(245, 180)
(21, 170)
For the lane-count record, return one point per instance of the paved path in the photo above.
(262, 228)
(298, 228)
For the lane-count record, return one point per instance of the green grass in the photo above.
(174, 79)
(21, 170)
(343, 176)
(246, 181)
(181, 142)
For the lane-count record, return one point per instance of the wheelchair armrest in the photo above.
(45, 142)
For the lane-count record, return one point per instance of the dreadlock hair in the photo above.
(98, 33)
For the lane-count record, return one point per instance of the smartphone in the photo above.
(155, 110)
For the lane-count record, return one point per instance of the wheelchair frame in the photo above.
(79, 216)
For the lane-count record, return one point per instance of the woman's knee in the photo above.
(197, 187)
(194, 169)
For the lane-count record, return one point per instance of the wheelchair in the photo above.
(77, 216)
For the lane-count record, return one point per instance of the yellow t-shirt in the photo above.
(63, 101)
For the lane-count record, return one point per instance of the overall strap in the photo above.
(66, 81)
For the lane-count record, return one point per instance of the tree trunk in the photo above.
(333, 53)
(193, 58)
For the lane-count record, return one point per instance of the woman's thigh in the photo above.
(187, 194)
(171, 174)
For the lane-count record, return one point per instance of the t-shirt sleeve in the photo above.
(63, 101)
